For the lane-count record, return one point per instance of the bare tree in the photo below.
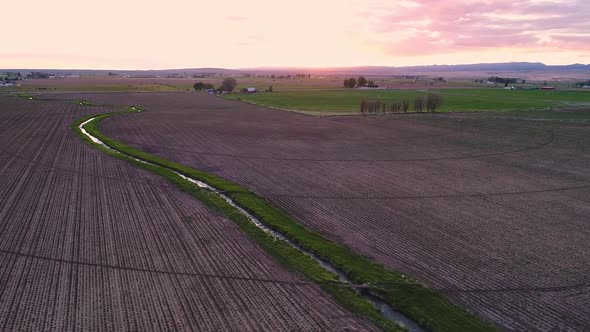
(405, 105)
(419, 103)
(394, 107)
(363, 107)
(433, 101)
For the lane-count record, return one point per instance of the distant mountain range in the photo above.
(479, 67)
(490, 68)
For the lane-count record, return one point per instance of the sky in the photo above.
(150, 34)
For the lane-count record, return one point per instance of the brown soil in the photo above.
(88, 242)
(494, 213)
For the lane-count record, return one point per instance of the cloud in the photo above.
(138, 34)
(460, 25)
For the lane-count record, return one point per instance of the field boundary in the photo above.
(344, 102)
(310, 113)
(287, 256)
(426, 306)
(348, 114)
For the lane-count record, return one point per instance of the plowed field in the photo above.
(493, 212)
(89, 242)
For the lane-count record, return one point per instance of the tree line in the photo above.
(359, 82)
(429, 103)
(228, 84)
(203, 86)
(502, 80)
(290, 76)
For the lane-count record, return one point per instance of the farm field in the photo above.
(392, 166)
(89, 242)
(162, 84)
(169, 84)
(493, 212)
(113, 84)
(455, 100)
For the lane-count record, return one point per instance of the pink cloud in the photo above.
(572, 42)
(459, 25)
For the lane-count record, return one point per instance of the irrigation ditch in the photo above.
(389, 299)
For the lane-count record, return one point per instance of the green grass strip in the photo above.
(86, 103)
(427, 307)
(23, 95)
(285, 254)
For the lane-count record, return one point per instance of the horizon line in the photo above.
(302, 67)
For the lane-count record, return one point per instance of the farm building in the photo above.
(248, 90)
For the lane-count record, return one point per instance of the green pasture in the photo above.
(455, 100)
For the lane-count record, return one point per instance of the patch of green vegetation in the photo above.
(24, 95)
(285, 254)
(454, 100)
(86, 103)
(429, 308)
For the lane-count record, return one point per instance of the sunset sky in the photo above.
(132, 34)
